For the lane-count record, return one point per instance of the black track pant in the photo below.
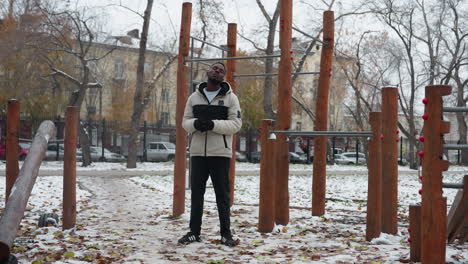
(218, 169)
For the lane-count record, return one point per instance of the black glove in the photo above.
(203, 125)
(209, 124)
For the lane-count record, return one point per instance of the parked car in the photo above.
(160, 151)
(349, 158)
(255, 157)
(296, 158)
(51, 153)
(240, 157)
(109, 156)
(22, 151)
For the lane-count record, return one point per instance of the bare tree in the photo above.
(138, 99)
(70, 33)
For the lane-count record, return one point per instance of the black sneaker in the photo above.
(228, 241)
(189, 238)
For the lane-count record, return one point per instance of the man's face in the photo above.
(216, 73)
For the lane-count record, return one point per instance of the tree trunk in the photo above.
(138, 104)
(268, 85)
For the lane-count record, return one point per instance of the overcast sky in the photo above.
(166, 16)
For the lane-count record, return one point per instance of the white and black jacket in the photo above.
(225, 112)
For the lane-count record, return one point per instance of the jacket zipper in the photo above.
(225, 142)
(206, 132)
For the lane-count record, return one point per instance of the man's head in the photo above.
(216, 73)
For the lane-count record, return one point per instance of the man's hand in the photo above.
(203, 125)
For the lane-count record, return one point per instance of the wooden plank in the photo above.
(374, 186)
(180, 162)
(457, 218)
(319, 172)
(284, 112)
(415, 232)
(389, 160)
(266, 213)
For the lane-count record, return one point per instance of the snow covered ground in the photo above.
(127, 219)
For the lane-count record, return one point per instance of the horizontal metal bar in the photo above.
(50, 141)
(455, 146)
(325, 133)
(307, 35)
(271, 74)
(233, 58)
(305, 73)
(255, 75)
(455, 109)
(452, 185)
(209, 44)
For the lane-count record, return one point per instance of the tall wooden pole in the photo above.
(374, 185)
(180, 163)
(284, 113)
(266, 212)
(12, 165)
(434, 205)
(69, 167)
(321, 117)
(389, 160)
(231, 69)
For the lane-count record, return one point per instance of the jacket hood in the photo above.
(225, 88)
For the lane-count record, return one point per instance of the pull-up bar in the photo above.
(455, 109)
(272, 74)
(208, 43)
(233, 58)
(325, 133)
(455, 146)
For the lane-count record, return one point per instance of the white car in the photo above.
(349, 158)
(51, 153)
(160, 151)
(109, 156)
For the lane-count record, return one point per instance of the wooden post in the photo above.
(284, 113)
(14, 210)
(69, 167)
(415, 232)
(321, 117)
(374, 186)
(12, 166)
(434, 205)
(180, 163)
(457, 218)
(231, 69)
(266, 216)
(389, 160)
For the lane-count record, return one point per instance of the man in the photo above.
(212, 114)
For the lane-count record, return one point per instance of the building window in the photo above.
(119, 70)
(300, 88)
(148, 70)
(298, 126)
(165, 118)
(165, 95)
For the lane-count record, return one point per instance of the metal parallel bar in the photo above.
(325, 133)
(307, 35)
(233, 58)
(455, 146)
(455, 109)
(452, 185)
(50, 141)
(271, 74)
(208, 43)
